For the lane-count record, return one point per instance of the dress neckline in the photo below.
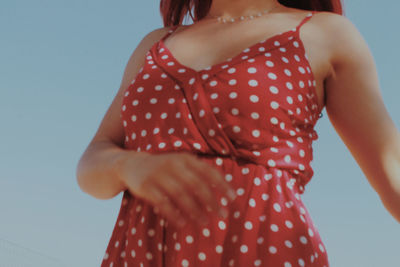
(263, 46)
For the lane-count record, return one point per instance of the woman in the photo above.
(228, 105)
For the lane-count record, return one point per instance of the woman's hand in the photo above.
(177, 184)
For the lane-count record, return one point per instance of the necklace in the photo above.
(259, 14)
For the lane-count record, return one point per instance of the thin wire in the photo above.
(12, 246)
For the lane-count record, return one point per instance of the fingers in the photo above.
(184, 198)
(166, 206)
(200, 188)
(214, 176)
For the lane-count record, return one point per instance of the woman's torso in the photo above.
(253, 119)
(207, 43)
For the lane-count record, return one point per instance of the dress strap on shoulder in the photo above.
(304, 20)
(170, 31)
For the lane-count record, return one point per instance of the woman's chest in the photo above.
(200, 52)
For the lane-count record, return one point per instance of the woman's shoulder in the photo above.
(155, 35)
(339, 33)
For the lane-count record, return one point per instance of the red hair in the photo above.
(174, 11)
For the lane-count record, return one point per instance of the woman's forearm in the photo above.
(98, 169)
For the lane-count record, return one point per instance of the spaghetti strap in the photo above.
(304, 20)
(170, 31)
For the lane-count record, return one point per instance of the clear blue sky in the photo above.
(61, 65)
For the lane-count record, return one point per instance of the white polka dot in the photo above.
(189, 239)
(151, 232)
(233, 95)
(273, 89)
(256, 133)
(271, 163)
(206, 232)
(255, 115)
(303, 239)
(310, 232)
(232, 82)
(253, 83)
(219, 249)
(288, 72)
(243, 248)
(301, 167)
(236, 129)
(272, 76)
(274, 228)
(221, 225)
(269, 63)
(240, 191)
(288, 244)
(252, 202)
(274, 105)
(289, 224)
(178, 143)
(272, 249)
(277, 207)
(202, 256)
(257, 181)
(251, 70)
(254, 98)
(248, 225)
(149, 256)
(287, 264)
(234, 238)
(161, 145)
(301, 262)
(274, 120)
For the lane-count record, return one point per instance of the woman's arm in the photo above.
(97, 170)
(357, 112)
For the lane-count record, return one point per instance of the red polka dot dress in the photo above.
(252, 117)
